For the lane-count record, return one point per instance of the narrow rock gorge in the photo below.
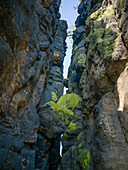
(34, 113)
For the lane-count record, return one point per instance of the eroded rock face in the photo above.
(33, 113)
(122, 84)
(29, 36)
(98, 73)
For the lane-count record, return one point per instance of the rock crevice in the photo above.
(93, 115)
(98, 73)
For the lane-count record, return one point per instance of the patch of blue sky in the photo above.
(69, 14)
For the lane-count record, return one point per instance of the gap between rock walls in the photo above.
(36, 118)
(93, 79)
(69, 41)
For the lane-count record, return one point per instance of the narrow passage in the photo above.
(69, 14)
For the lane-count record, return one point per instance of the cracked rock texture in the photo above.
(32, 49)
(99, 74)
(93, 116)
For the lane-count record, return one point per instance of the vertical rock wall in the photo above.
(98, 73)
(33, 115)
(32, 49)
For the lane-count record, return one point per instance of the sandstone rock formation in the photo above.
(31, 32)
(34, 113)
(98, 73)
(122, 88)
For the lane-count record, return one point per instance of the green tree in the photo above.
(76, 7)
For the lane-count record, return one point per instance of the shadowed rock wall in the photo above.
(33, 114)
(32, 49)
(98, 73)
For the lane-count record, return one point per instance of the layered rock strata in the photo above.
(98, 73)
(32, 49)
(93, 115)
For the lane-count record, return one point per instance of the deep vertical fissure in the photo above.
(69, 14)
(71, 119)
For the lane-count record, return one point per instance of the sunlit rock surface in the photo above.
(31, 32)
(34, 113)
(98, 73)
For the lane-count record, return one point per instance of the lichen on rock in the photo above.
(84, 157)
(54, 96)
(100, 44)
(93, 116)
(71, 130)
(100, 34)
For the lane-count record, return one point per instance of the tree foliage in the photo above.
(76, 7)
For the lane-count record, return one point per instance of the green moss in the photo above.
(58, 71)
(69, 87)
(66, 79)
(97, 36)
(79, 56)
(69, 101)
(80, 136)
(107, 44)
(108, 12)
(61, 84)
(80, 147)
(54, 96)
(100, 38)
(122, 2)
(94, 16)
(84, 157)
(84, 96)
(71, 156)
(98, 15)
(65, 156)
(75, 48)
(74, 148)
(71, 128)
(81, 59)
(74, 156)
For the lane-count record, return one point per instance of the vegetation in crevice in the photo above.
(64, 107)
